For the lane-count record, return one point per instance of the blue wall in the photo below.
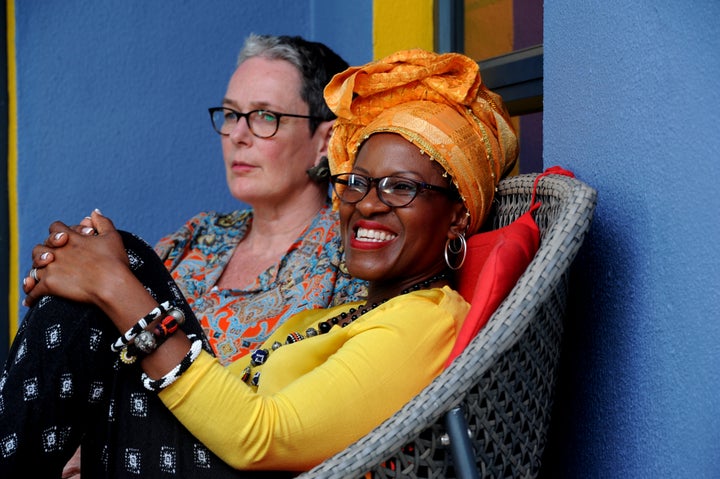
(112, 115)
(633, 107)
(113, 96)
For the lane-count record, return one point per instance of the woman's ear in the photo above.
(460, 221)
(320, 171)
(322, 134)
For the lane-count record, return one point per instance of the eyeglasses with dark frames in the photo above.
(261, 123)
(394, 191)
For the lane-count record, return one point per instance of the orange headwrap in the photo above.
(439, 103)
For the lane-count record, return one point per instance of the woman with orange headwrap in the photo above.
(417, 149)
(438, 103)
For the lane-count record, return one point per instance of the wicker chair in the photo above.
(488, 413)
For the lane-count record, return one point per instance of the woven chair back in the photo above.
(505, 379)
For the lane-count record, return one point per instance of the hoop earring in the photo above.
(320, 172)
(460, 250)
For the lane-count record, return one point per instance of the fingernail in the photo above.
(88, 230)
(59, 235)
(98, 211)
(88, 218)
(24, 282)
(24, 303)
(44, 256)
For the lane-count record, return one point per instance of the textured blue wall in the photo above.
(112, 115)
(113, 96)
(632, 106)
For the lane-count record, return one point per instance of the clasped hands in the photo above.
(76, 262)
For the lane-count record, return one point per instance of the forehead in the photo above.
(385, 154)
(267, 82)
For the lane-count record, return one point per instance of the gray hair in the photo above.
(316, 62)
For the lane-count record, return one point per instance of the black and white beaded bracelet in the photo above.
(146, 342)
(142, 323)
(156, 385)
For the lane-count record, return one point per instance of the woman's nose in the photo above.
(372, 203)
(241, 131)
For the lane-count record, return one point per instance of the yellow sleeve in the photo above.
(318, 395)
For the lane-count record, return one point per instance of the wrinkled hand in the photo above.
(75, 265)
(42, 258)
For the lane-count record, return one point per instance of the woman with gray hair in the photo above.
(245, 272)
(418, 148)
(235, 269)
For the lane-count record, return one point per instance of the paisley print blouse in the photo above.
(310, 275)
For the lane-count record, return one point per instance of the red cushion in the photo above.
(495, 260)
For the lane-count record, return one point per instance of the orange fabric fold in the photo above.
(439, 103)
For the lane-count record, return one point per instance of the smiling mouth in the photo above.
(373, 236)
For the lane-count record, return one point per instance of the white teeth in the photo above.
(377, 236)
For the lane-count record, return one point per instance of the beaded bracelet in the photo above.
(156, 385)
(165, 328)
(139, 326)
(146, 342)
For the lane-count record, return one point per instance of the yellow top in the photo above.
(317, 396)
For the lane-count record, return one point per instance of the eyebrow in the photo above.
(260, 105)
(396, 173)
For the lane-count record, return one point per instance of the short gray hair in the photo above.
(316, 62)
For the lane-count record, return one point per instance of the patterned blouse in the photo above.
(310, 275)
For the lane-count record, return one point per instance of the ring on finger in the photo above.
(33, 275)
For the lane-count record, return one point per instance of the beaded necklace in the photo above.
(259, 356)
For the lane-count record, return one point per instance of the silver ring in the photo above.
(33, 275)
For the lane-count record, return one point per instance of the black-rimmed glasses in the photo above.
(261, 123)
(394, 191)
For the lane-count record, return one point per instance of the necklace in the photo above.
(259, 356)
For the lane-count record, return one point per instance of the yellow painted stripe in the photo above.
(402, 24)
(13, 276)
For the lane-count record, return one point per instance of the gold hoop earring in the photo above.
(461, 251)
